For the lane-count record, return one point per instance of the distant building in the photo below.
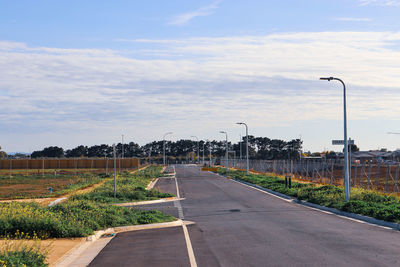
(375, 156)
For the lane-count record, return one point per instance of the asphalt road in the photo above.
(239, 226)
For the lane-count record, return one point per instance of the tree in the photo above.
(3, 154)
(79, 151)
(49, 152)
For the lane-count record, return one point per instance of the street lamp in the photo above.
(204, 143)
(240, 146)
(247, 146)
(164, 145)
(226, 154)
(346, 147)
(122, 146)
(209, 147)
(198, 149)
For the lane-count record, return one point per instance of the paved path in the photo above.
(238, 226)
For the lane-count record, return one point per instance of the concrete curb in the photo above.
(362, 218)
(140, 203)
(58, 200)
(264, 189)
(151, 184)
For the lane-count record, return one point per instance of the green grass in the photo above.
(83, 214)
(70, 219)
(364, 202)
(130, 188)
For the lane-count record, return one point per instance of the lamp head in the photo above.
(326, 78)
(222, 132)
(240, 123)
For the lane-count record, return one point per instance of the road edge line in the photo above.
(347, 215)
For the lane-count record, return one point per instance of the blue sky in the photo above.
(85, 72)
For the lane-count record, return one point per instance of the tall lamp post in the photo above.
(209, 147)
(164, 145)
(198, 149)
(240, 146)
(122, 146)
(247, 146)
(226, 153)
(204, 143)
(346, 145)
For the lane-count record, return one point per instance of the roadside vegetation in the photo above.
(23, 250)
(364, 202)
(83, 214)
(130, 187)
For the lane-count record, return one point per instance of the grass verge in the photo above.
(364, 202)
(83, 214)
(130, 187)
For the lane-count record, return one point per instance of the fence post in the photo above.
(396, 179)
(332, 163)
(355, 175)
(369, 175)
(313, 171)
(10, 168)
(378, 173)
(387, 177)
(291, 167)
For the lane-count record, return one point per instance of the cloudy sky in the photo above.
(86, 72)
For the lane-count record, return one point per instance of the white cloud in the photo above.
(353, 19)
(201, 83)
(388, 3)
(203, 11)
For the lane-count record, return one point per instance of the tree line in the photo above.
(259, 148)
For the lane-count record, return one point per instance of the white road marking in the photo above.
(265, 192)
(178, 205)
(323, 211)
(192, 259)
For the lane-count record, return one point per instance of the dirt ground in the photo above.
(55, 248)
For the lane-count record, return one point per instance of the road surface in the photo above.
(236, 225)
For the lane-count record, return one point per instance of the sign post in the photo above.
(342, 143)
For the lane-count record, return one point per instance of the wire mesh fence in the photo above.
(375, 176)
